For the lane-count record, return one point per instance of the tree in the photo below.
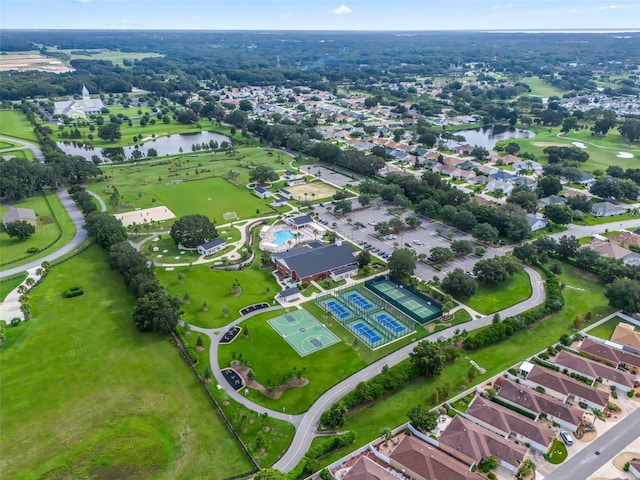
(245, 105)
(364, 200)
(549, 185)
(363, 258)
(559, 214)
(193, 230)
(110, 132)
(512, 148)
(156, 311)
(624, 294)
(427, 357)
(386, 434)
(336, 415)
(441, 254)
(412, 222)
(458, 284)
(567, 247)
(461, 247)
(19, 229)
(490, 271)
(524, 197)
(106, 229)
(485, 232)
(402, 262)
(263, 174)
(630, 129)
(422, 418)
(269, 474)
(343, 206)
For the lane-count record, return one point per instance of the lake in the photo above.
(487, 137)
(169, 145)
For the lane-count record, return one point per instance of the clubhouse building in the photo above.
(78, 108)
(315, 261)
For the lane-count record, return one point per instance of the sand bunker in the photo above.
(148, 215)
(579, 144)
(624, 155)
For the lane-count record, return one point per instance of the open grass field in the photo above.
(25, 153)
(392, 411)
(605, 330)
(7, 285)
(14, 123)
(54, 230)
(488, 300)
(100, 399)
(214, 286)
(212, 196)
(540, 88)
(270, 356)
(114, 56)
(602, 151)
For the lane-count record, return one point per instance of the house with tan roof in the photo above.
(422, 461)
(367, 469)
(509, 424)
(628, 337)
(538, 404)
(608, 249)
(597, 372)
(470, 443)
(566, 389)
(452, 161)
(627, 239)
(610, 355)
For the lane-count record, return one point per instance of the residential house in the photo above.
(594, 371)
(626, 238)
(214, 246)
(299, 221)
(528, 166)
(367, 469)
(261, 192)
(608, 249)
(538, 404)
(509, 424)
(487, 169)
(628, 337)
(536, 223)
(445, 169)
(422, 461)
(20, 214)
(306, 263)
(509, 159)
(468, 165)
(463, 149)
(470, 443)
(615, 357)
(503, 176)
(606, 209)
(586, 179)
(279, 202)
(455, 161)
(570, 193)
(551, 200)
(504, 187)
(289, 294)
(566, 389)
(285, 193)
(529, 182)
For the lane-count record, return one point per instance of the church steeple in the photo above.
(85, 93)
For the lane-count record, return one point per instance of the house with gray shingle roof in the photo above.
(20, 214)
(606, 209)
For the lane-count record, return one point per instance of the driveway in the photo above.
(23, 144)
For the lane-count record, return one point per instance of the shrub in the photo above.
(540, 389)
(32, 250)
(513, 372)
(630, 394)
(73, 292)
(614, 394)
(15, 322)
(582, 405)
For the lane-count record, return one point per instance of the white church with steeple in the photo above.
(79, 108)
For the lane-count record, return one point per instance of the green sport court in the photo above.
(415, 304)
(303, 332)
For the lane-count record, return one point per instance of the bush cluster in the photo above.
(73, 292)
(376, 387)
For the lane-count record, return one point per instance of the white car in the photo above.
(566, 438)
(417, 242)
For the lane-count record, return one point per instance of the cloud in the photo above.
(82, 1)
(341, 10)
(503, 6)
(612, 7)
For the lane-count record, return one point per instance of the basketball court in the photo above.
(303, 332)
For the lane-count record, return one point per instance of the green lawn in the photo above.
(214, 287)
(540, 88)
(100, 399)
(114, 56)
(557, 453)
(488, 300)
(54, 230)
(390, 412)
(14, 123)
(591, 220)
(24, 153)
(7, 285)
(605, 330)
(4, 145)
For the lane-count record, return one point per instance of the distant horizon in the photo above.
(322, 15)
(231, 30)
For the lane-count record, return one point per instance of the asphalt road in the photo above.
(32, 146)
(585, 462)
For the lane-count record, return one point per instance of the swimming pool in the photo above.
(281, 237)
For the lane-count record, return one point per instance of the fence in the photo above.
(202, 383)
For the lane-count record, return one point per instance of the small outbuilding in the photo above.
(214, 246)
(20, 214)
(261, 192)
(290, 294)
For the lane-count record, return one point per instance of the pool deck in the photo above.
(268, 241)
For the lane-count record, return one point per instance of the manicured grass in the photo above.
(557, 452)
(488, 300)
(24, 153)
(214, 287)
(605, 330)
(543, 232)
(310, 290)
(7, 285)
(4, 144)
(100, 399)
(591, 220)
(540, 88)
(54, 230)
(390, 412)
(14, 123)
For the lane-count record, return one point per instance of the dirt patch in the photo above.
(589, 437)
(44, 220)
(314, 190)
(548, 144)
(243, 371)
(623, 458)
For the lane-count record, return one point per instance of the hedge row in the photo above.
(514, 408)
(376, 387)
(73, 292)
(191, 351)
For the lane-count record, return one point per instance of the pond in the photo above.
(487, 137)
(169, 145)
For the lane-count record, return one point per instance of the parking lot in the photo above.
(421, 239)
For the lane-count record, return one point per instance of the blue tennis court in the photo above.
(364, 331)
(359, 301)
(389, 323)
(338, 310)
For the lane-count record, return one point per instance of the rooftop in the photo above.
(213, 243)
(625, 334)
(366, 469)
(605, 352)
(561, 383)
(593, 369)
(307, 262)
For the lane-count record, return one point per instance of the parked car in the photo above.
(407, 244)
(566, 438)
(417, 242)
(471, 275)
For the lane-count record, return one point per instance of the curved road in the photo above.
(25, 144)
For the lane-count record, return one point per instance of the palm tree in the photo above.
(386, 434)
